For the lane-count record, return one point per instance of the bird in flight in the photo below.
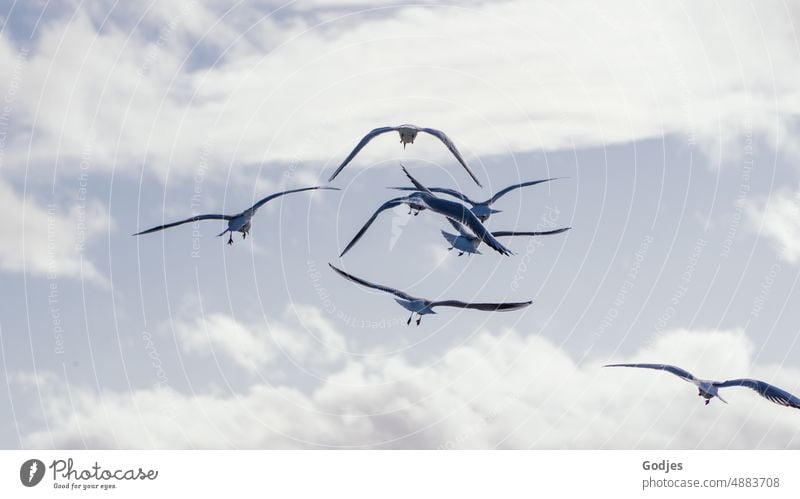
(239, 222)
(710, 389)
(465, 242)
(481, 209)
(407, 135)
(423, 199)
(423, 306)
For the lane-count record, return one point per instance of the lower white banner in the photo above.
(399, 474)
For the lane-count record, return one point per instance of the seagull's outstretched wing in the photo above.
(385, 206)
(440, 190)
(269, 198)
(417, 184)
(459, 213)
(364, 141)
(460, 228)
(463, 216)
(452, 147)
(488, 307)
(677, 371)
(368, 284)
(769, 392)
(505, 233)
(510, 188)
(192, 219)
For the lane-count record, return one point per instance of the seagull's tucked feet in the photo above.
(461, 253)
(707, 401)
(450, 248)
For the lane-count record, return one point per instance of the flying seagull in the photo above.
(709, 389)
(239, 222)
(407, 135)
(481, 209)
(422, 199)
(422, 306)
(465, 242)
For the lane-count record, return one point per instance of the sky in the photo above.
(674, 124)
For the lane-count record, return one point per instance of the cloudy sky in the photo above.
(676, 123)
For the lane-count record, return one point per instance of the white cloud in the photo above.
(498, 390)
(498, 76)
(778, 219)
(303, 335)
(49, 240)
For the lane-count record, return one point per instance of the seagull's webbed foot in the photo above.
(408, 322)
(450, 248)
(419, 319)
(460, 253)
(230, 239)
(244, 236)
(707, 401)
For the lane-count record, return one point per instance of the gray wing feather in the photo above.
(517, 186)
(488, 307)
(368, 284)
(441, 190)
(677, 371)
(452, 147)
(364, 141)
(769, 392)
(192, 219)
(505, 233)
(460, 213)
(385, 206)
(269, 198)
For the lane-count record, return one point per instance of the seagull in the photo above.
(422, 306)
(710, 389)
(407, 135)
(481, 209)
(422, 199)
(239, 222)
(465, 242)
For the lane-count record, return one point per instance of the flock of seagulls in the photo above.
(468, 218)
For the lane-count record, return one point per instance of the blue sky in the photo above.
(674, 124)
